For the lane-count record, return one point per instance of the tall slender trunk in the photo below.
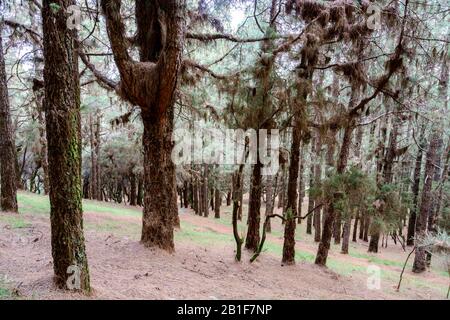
(252, 238)
(205, 190)
(291, 205)
(195, 196)
(133, 191)
(63, 126)
(217, 201)
(270, 201)
(140, 192)
(301, 183)
(415, 190)
(426, 203)
(8, 188)
(317, 177)
(324, 245)
(386, 172)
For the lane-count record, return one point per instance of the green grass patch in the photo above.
(15, 221)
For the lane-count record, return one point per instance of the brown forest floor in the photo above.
(202, 267)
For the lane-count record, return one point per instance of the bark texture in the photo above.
(62, 114)
(8, 195)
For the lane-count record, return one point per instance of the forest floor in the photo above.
(202, 266)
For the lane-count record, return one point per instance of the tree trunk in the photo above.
(301, 183)
(217, 201)
(195, 196)
(346, 235)
(270, 201)
(317, 176)
(355, 227)
(426, 203)
(228, 198)
(62, 114)
(252, 239)
(151, 85)
(205, 190)
(291, 211)
(324, 245)
(415, 190)
(133, 191)
(160, 197)
(94, 167)
(140, 192)
(8, 188)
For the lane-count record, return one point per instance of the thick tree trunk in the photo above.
(8, 188)
(62, 114)
(160, 198)
(151, 85)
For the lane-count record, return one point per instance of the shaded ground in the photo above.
(202, 267)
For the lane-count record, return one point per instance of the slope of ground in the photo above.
(202, 267)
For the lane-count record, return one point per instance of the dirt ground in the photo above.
(121, 268)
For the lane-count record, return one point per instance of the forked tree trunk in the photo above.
(62, 114)
(151, 85)
(8, 188)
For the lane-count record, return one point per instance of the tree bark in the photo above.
(426, 203)
(150, 84)
(324, 245)
(252, 238)
(291, 206)
(415, 190)
(217, 201)
(62, 114)
(8, 187)
(270, 201)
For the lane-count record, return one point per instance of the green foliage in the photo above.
(348, 191)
